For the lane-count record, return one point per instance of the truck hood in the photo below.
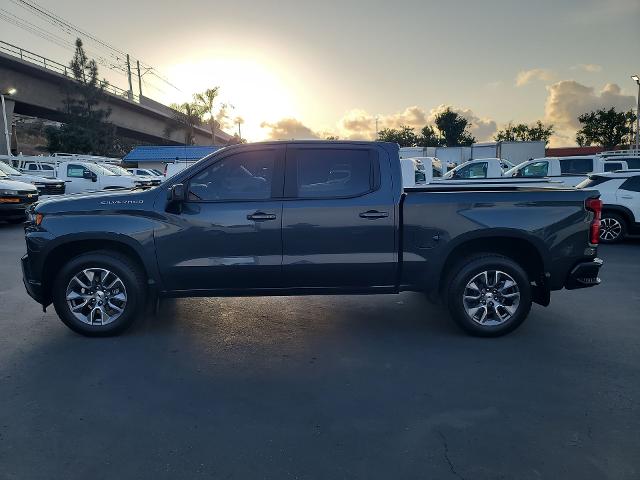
(9, 184)
(26, 178)
(97, 201)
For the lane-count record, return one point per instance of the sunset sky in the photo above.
(297, 69)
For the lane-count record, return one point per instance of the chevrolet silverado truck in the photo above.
(298, 218)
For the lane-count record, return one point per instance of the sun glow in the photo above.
(255, 90)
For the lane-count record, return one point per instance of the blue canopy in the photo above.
(169, 153)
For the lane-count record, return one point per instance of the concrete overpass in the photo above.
(40, 85)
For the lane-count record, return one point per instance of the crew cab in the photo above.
(45, 186)
(313, 217)
(620, 195)
(568, 170)
(15, 198)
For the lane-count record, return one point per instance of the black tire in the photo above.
(465, 271)
(132, 278)
(613, 226)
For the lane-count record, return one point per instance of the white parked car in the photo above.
(118, 170)
(145, 172)
(620, 194)
(569, 170)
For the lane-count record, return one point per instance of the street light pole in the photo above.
(11, 91)
(637, 79)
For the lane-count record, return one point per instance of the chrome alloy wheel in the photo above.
(96, 296)
(491, 298)
(610, 229)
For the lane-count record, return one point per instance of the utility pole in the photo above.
(376, 127)
(129, 77)
(139, 78)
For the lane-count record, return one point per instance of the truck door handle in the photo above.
(629, 197)
(261, 216)
(373, 214)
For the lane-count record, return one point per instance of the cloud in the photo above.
(567, 99)
(588, 67)
(527, 76)
(358, 124)
(287, 129)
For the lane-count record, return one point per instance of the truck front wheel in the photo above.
(489, 295)
(99, 293)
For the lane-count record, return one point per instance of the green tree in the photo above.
(404, 136)
(428, 137)
(453, 128)
(606, 128)
(85, 126)
(525, 133)
(188, 115)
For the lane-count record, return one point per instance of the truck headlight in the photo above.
(8, 192)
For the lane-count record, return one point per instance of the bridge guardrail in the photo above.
(60, 68)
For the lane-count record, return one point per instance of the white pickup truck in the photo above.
(88, 176)
(570, 171)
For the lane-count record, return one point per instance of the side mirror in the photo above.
(89, 175)
(177, 193)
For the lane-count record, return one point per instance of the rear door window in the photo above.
(576, 166)
(632, 163)
(333, 173)
(612, 166)
(631, 184)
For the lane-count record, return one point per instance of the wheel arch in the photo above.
(623, 211)
(521, 248)
(72, 246)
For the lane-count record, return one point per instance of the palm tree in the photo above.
(189, 115)
(206, 102)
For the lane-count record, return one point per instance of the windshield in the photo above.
(6, 169)
(117, 170)
(99, 169)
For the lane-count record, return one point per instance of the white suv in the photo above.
(620, 194)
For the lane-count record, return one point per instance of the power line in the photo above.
(59, 22)
(53, 38)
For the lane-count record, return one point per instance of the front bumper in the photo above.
(33, 285)
(584, 274)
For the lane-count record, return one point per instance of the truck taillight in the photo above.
(594, 205)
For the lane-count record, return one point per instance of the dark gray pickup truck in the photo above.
(296, 218)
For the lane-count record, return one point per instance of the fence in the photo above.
(57, 67)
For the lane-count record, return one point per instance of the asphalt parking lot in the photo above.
(324, 387)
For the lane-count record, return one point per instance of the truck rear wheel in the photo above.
(99, 293)
(489, 295)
